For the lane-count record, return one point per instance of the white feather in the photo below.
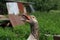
(31, 37)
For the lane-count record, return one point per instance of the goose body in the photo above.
(31, 37)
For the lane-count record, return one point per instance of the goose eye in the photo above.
(33, 17)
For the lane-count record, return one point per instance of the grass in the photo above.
(49, 23)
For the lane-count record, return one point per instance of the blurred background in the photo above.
(47, 13)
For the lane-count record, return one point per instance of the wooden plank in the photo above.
(56, 38)
(21, 7)
(15, 20)
(4, 18)
(12, 20)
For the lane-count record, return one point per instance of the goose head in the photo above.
(30, 18)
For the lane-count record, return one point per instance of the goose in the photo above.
(34, 35)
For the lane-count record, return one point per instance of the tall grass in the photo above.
(49, 23)
(17, 33)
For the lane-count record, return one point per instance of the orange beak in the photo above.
(27, 17)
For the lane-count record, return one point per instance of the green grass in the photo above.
(49, 23)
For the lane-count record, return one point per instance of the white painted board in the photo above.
(12, 8)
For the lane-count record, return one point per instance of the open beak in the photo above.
(27, 18)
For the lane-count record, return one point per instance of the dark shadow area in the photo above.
(5, 23)
(3, 8)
